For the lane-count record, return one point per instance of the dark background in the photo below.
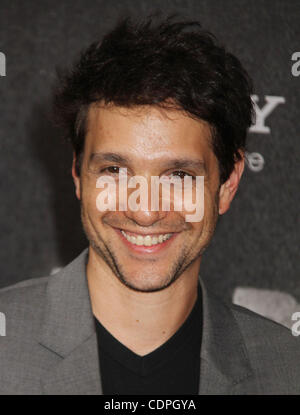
(255, 243)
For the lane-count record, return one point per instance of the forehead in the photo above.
(148, 132)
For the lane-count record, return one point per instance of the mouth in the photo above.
(148, 243)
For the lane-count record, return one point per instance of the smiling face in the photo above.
(148, 250)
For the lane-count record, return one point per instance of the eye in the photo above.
(111, 169)
(182, 174)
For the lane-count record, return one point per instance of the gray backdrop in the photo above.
(256, 242)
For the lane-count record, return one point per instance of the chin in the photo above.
(146, 286)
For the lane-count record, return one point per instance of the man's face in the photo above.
(147, 141)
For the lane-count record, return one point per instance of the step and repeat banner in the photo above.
(253, 259)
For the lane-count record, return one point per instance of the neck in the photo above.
(140, 321)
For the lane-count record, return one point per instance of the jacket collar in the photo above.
(224, 358)
(69, 331)
(68, 314)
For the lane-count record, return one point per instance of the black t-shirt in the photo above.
(171, 369)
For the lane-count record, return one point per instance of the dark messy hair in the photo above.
(167, 63)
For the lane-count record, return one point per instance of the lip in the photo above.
(146, 249)
(144, 233)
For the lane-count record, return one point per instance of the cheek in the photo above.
(204, 205)
(208, 198)
(210, 207)
(89, 194)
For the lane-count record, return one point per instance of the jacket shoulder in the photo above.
(23, 299)
(22, 360)
(249, 320)
(25, 283)
(272, 350)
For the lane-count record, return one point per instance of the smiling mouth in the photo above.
(146, 240)
(146, 243)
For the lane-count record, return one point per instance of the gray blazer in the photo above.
(50, 345)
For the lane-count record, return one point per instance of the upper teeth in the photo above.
(147, 240)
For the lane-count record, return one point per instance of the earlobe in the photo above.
(76, 179)
(229, 188)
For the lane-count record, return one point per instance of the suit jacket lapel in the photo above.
(69, 332)
(224, 361)
(76, 374)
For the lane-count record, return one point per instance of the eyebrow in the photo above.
(184, 163)
(114, 157)
(178, 163)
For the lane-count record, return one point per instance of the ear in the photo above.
(229, 188)
(76, 178)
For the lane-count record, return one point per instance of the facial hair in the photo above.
(106, 253)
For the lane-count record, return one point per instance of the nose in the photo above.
(140, 212)
(145, 217)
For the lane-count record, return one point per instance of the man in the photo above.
(130, 315)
